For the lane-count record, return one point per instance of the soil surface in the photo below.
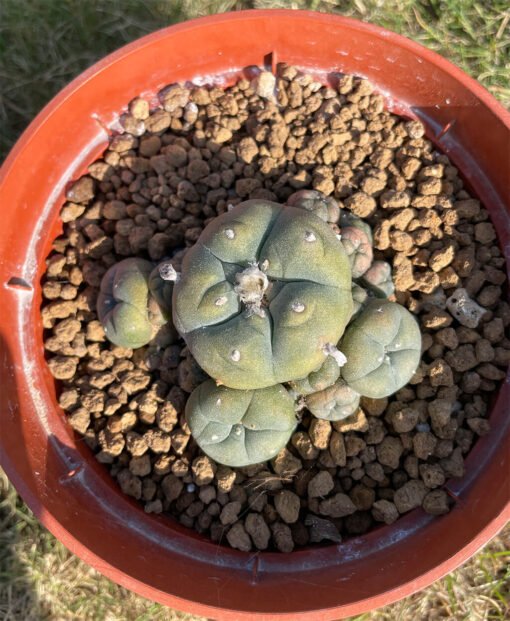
(179, 165)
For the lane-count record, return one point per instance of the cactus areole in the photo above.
(262, 295)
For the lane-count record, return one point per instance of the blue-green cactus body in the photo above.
(356, 238)
(358, 249)
(261, 293)
(134, 302)
(359, 298)
(161, 291)
(324, 207)
(123, 303)
(318, 380)
(378, 279)
(334, 403)
(383, 347)
(240, 427)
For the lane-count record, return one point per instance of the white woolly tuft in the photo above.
(167, 272)
(330, 350)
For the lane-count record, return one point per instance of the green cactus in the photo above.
(337, 402)
(328, 373)
(131, 315)
(324, 207)
(359, 298)
(162, 291)
(240, 427)
(356, 238)
(262, 293)
(382, 347)
(378, 279)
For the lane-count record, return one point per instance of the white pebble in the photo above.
(264, 84)
(465, 310)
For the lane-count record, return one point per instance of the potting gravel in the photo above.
(179, 164)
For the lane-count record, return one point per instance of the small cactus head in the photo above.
(378, 279)
(358, 247)
(337, 402)
(359, 298)
(326, 375)
(240, 427)
(324, 207)
(348, 220)
(122, 305)
(383, 348)
(131, 315)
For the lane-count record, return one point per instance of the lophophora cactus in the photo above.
(134, 302)
(285, 308)
(382, 347)
(240, 427)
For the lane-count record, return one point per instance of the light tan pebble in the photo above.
(79, 420)
(337, 449)
(154, 506)
(203, 469)
(339, 505)
(172, 487)
(320, 485)
(238, 538)
(436, 502)
(258, 530)
(320, 432)
(384, 511)
(225, 478)
(63, 367)
(140, 466)
(356, 422)
(302, 443)
(410, 495)
(282, 537)
(288, 505)
(285, 464)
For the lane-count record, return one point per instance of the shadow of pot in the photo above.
(56, 474)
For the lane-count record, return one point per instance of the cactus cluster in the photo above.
(281, 312)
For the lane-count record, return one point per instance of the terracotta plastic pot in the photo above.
(75, 497)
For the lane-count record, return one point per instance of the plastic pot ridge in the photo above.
(75, 497)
